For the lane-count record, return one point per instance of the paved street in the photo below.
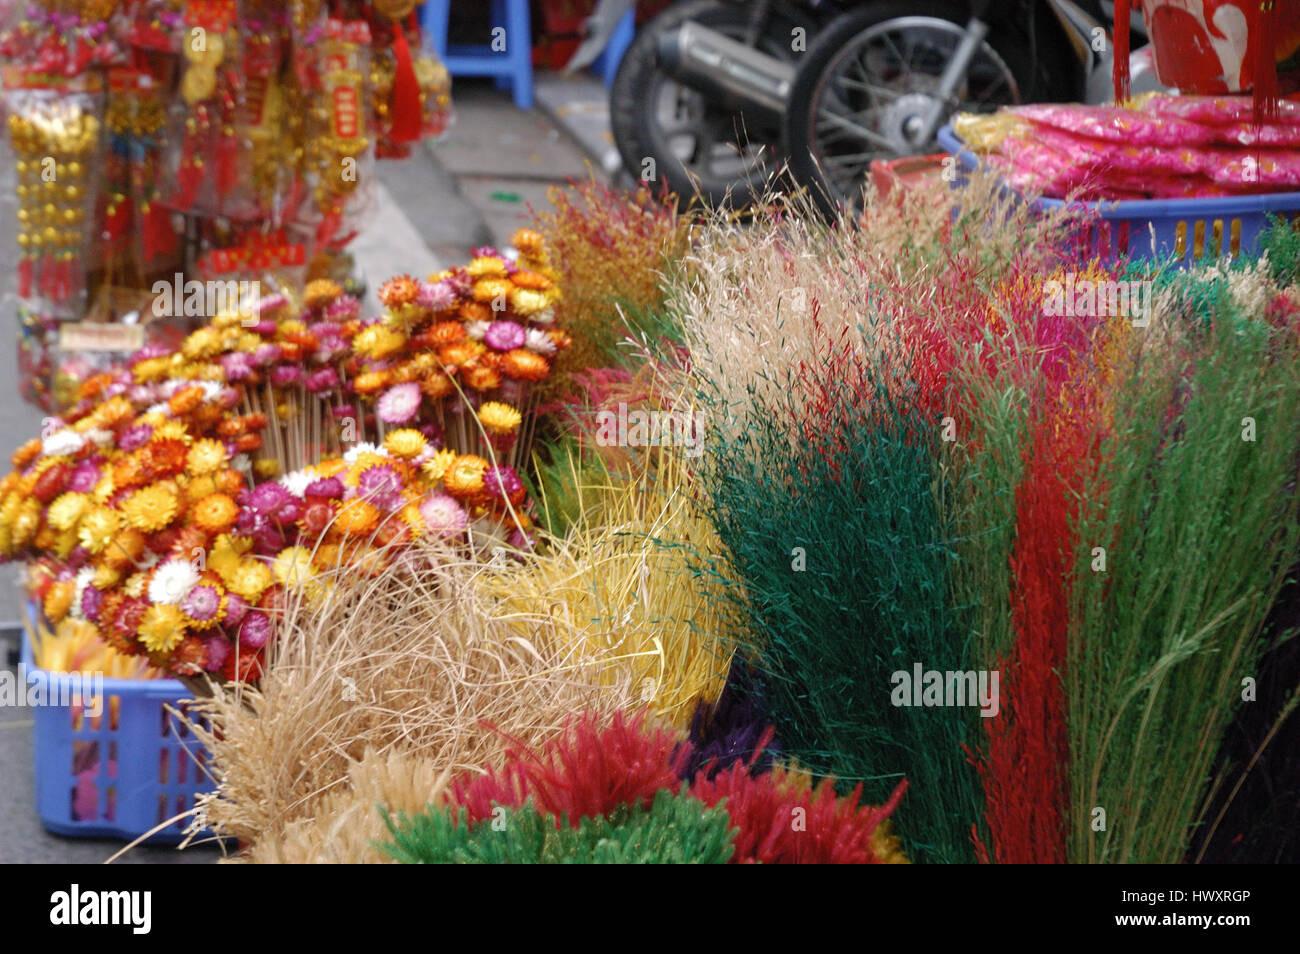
(471, 189)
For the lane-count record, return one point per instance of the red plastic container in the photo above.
(910, 174)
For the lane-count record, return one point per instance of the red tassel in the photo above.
(25, 277)
(406, 92)
(118, 219)
(159, 235)
(1265, 65)
(227, 167)
(328, 228)
(188, 179)
(1120, 74)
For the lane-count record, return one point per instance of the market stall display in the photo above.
(160, 142)
(944, 534)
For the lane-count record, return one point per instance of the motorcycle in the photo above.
(714, 96)
(882, 79)
(697, 102)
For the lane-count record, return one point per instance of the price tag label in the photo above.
(100, 336)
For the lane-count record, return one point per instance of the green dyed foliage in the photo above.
(1197, 511)
(1282, 243)
(562, 471)
(676, 829)
(838, 561)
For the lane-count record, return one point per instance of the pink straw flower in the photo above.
(442, 515)
(505, 335)
(400, 403)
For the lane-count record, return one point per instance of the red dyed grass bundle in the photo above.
(585, 772)
(1024, 775)
(782, 819)
(589, 771)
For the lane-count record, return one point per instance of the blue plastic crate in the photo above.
(1185, 231)
(128, 770)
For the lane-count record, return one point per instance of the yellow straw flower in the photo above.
(27, 522)
(490, 289)
(66, 543)
(162, 628)
(227, 554)
(104, 489)
(378, 341)
(527, 301)
(201, 344)
(106, 577)
(152, 508)
(406, 442)
(151, 369)
(320, 292)
(67, 510)
(435, 468)
(171, 430)
(251, 580)
(292, 566)
(499, 418)
(206, 457)
(486, 266)
(58, 600)
(98, 528)
(136, 584)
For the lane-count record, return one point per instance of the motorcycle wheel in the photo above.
(696, 147)
(870, 75)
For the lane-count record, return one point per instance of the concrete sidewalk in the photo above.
(473, 188)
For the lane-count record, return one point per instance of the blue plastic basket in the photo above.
(128, 770)
(1183, 231)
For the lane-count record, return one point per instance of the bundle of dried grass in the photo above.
(611, 249)
(758, 298)
(620, 588)
(383, 685)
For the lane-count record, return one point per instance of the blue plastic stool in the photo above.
(512, 66)
(606, 64)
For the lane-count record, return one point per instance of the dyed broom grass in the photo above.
(860, 491)
(855, 500)
(620, 585)
(406, 665)
(1199, 527)
(1024, 398)
(673, 830)
(611, 249)
(1255, 799)
(779, 815)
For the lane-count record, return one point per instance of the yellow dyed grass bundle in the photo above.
(417, 663)
(619, 587)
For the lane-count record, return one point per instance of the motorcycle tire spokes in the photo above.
(874, 95)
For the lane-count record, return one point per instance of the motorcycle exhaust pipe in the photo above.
(731, 73)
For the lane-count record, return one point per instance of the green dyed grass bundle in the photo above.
(675, 829)
(1195, 507)
(826, 508)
